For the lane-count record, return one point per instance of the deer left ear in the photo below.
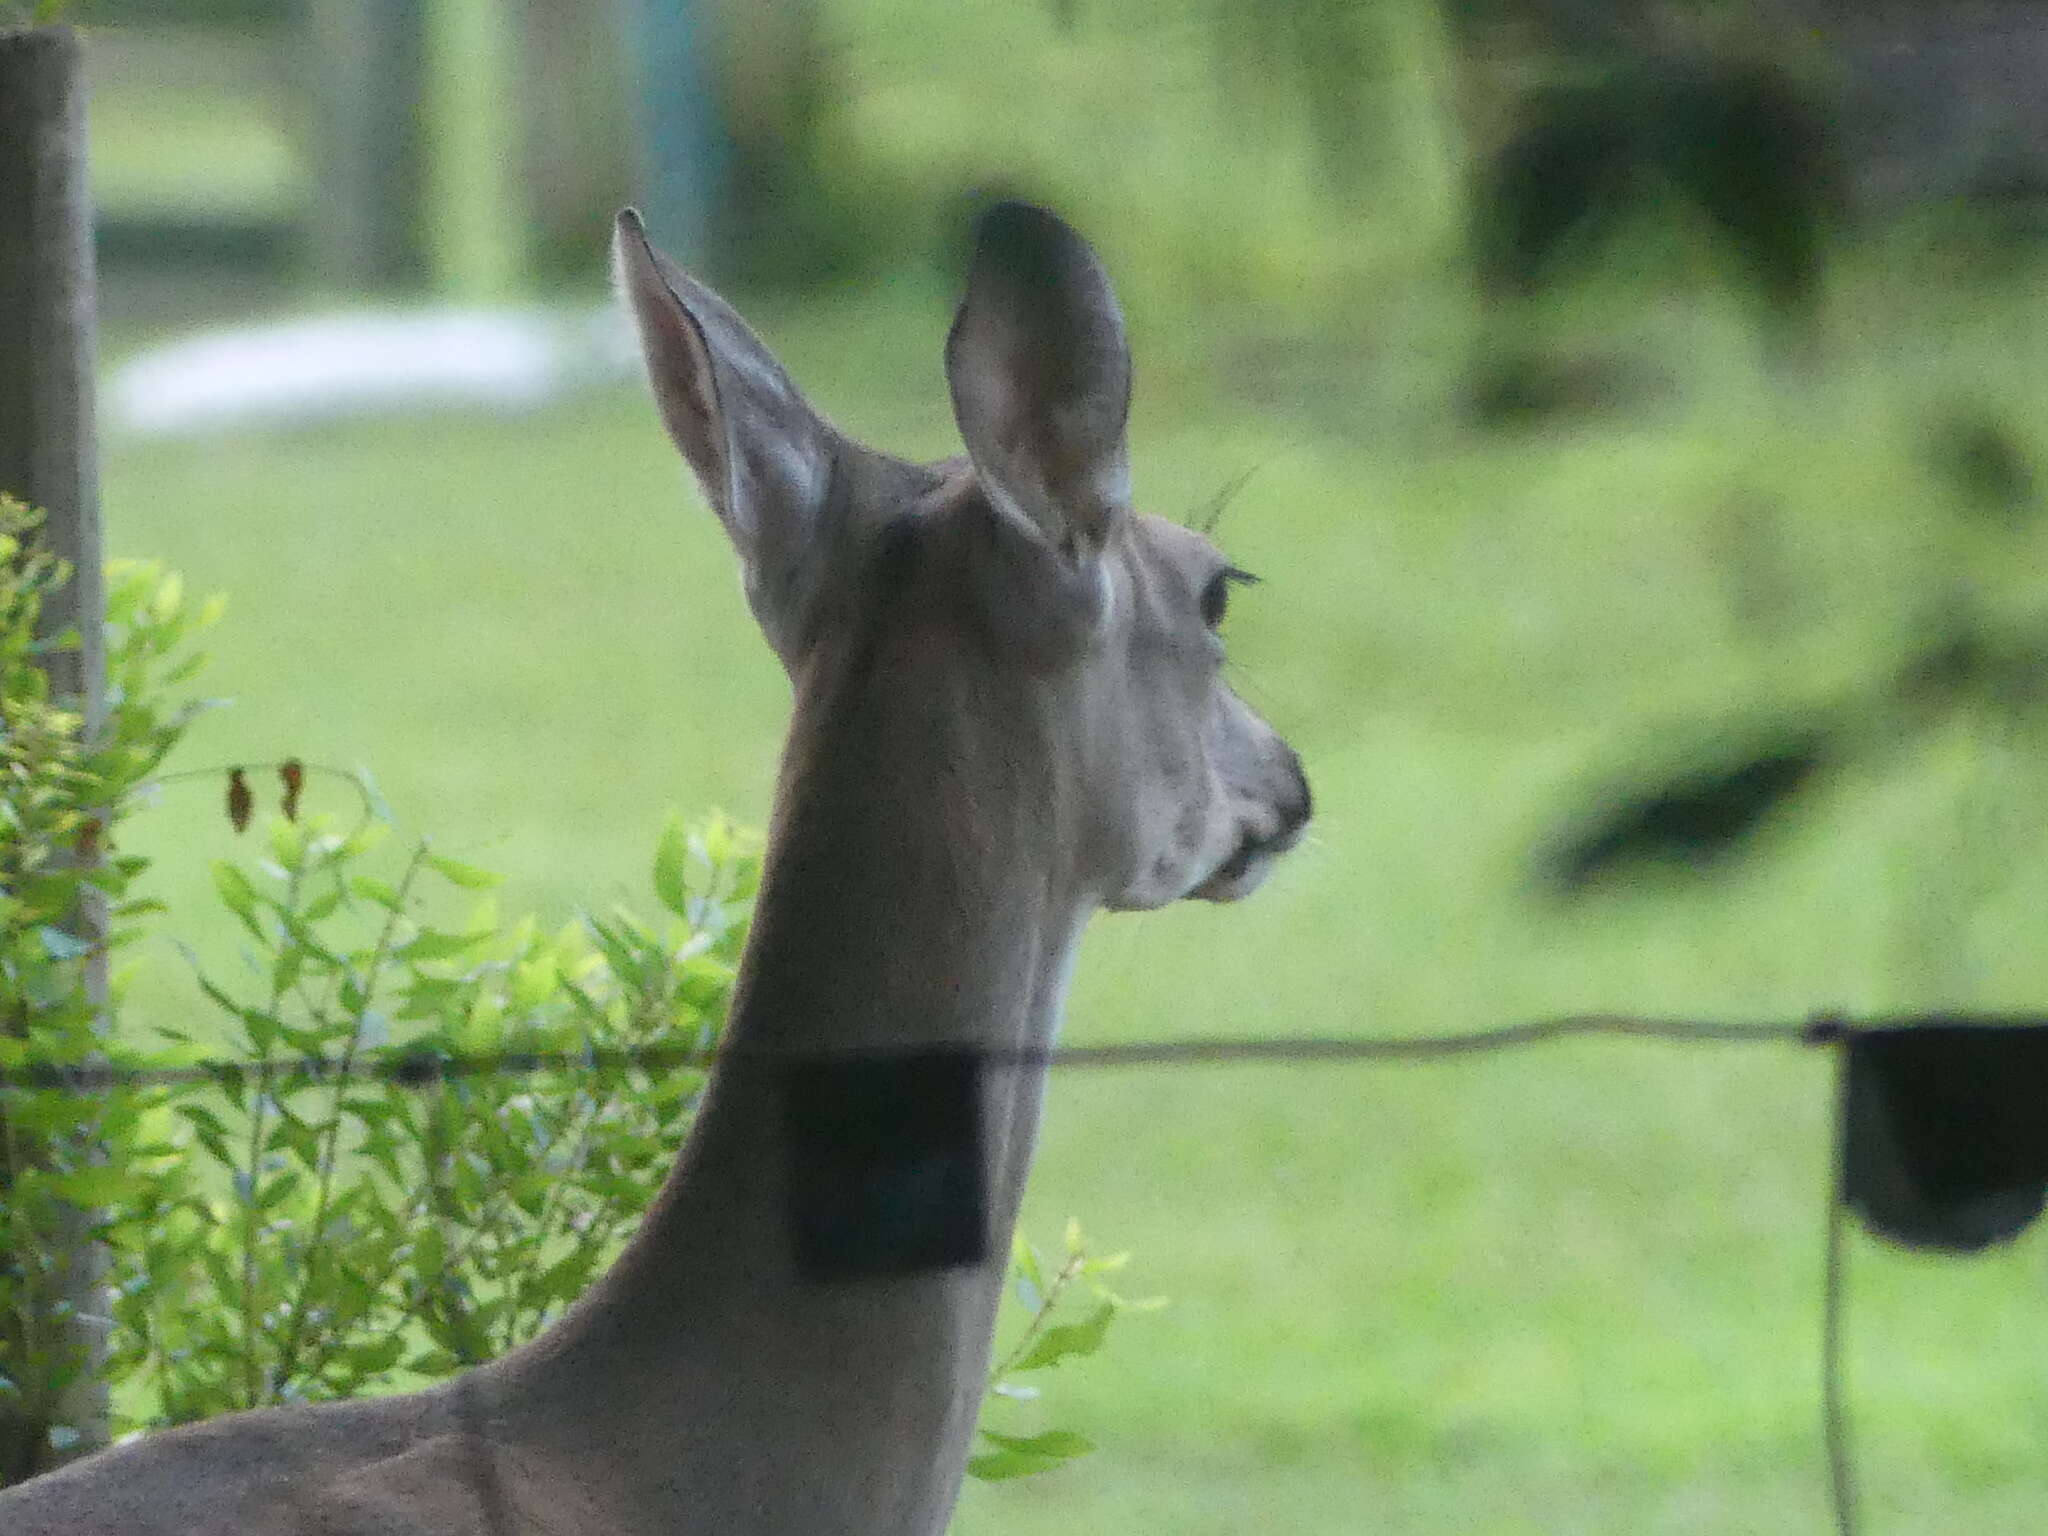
(763, 456)
(1040, 372)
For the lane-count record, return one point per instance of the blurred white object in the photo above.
(299, 372)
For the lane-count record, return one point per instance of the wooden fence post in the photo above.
(575, 129)
(48, 457)
(365, 63)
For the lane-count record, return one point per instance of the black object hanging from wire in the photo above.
(1945, 1133)
(1941, 1142)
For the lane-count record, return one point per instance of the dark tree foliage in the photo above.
(1979, 454)
(1514, 387)
(1742, 144)
(1693, 818)
(1968, 662)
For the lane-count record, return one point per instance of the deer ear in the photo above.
(764, 457)
(1040, 371)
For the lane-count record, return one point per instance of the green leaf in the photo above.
(206, 1125)
(1057, 1444)
(285, 969)
(377, 1355)
(370, 888)
(323, 906)
(170, 596)
(428, 997)
(279, 1189)
(429, 944)
(671, 866)
(85, 1187)
(304, 936)
(468, 876)
(1024, 1262)
(534, 982)
(997, 1466)
(288, 842)
(1016, 1456)
(568, 1276)
(240, 896)
(1068, 1340)
(299, 1137)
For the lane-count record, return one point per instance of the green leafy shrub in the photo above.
(64, 895)
(360, 1233)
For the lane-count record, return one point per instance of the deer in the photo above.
(1010, 711)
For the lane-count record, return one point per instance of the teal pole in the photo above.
(682, 145)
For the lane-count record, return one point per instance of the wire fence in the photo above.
(421, 1068)
(1937, 1120)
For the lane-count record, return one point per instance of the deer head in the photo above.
(1022, 560)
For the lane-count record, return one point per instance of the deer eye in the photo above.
(1216, 596)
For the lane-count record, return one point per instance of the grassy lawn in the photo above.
(1572, 1290)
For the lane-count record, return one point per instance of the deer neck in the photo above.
(912, 895)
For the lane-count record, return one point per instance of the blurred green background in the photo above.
(1570, 1290)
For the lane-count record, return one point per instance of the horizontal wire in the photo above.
(421, 1066)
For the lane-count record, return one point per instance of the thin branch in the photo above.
(364, 795)
(366, 988)
(1834, 1304)
(1049, 1298)
(252, 1208)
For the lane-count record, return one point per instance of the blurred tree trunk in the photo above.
(53, 1341)
(1929, 99)
(1323, 62)
(733, 118)
(576, 127)
(1941, 100)
(775, 84)
(366, 75)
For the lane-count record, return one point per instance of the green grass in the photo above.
(1572, 1290)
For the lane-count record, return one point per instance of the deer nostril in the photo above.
(1296, 810)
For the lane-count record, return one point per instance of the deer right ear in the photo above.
(763, 456)
(1040, 372)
